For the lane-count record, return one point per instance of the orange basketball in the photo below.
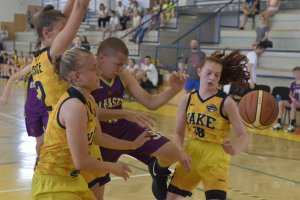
(258, 109)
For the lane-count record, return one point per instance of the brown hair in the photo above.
(112, 45)
(71, 60)
(234, 67)
(297, 68)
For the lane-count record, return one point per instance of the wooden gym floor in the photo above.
(267, 170)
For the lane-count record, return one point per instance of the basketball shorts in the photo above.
(209, 165)
(191, 84)
(51, 187)
(36, 124)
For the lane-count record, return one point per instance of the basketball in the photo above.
(258, 109)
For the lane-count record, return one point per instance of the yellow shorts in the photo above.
(92, 178)
(51, 187)
(209, 165)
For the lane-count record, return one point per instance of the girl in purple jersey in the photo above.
(36, 115)
(158, 153)
(293, 103)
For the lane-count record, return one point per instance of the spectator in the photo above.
(148, 76)
(132, 67)
(145, 26)
(293, 103)
(252, 63)
(3, 34)
(136, 21)
(76, 43)
(249, 8)
(272, 9)
(103, 16)
(262, 31)
(156, 8)
(121, 13)
(168, 11)
(113, 24)
(85, 43)
(189, 65)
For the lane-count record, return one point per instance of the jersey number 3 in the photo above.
(39, 86)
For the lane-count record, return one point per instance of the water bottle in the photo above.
(278, 97)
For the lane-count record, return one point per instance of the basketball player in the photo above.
(55, 32)
(36, 115)
(207, 114)
(112, 55)
(71, 133)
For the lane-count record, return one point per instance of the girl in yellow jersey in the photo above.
(207, 114)
(71, 132)
(55, 31)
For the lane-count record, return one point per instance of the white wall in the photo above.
(9, 7)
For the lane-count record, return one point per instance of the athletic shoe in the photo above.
(159, 179)
(277, 126)
(290, 129)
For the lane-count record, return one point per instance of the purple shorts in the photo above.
(36, 124)
(130, 131)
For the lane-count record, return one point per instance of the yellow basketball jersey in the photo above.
(55, 156)
(46, 81)
(205, 120)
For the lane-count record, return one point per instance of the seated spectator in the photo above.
(85, 43)
(168, 11)
(122, 14)
(272, 9)
(139, 7)
(249, 8)
(262, 31)
(156, 8)
(103, 16)
(132, 67)
(136, 21)
(293, 103)
(3, 34)
(113, 25)
(76, 43)
(145, 26)
(148, 76)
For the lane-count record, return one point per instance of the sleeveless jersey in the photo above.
(205, 120)
(55, 157)
(110, 95)
(46, 81)
(295, 90)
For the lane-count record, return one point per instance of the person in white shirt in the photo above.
(252, 63)
(113, 25)
(148, 76)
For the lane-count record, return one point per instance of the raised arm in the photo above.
(65, 37)
(153, 102)
(68, 8)
(20, 74)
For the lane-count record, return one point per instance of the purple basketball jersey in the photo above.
(295, 90)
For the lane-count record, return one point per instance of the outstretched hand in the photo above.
(177, 80)
(186, 161)
(121, 169)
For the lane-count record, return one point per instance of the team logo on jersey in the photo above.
(75, 173)
(211, 108)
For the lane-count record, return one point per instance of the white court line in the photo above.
(11, 117)
(14, 190)
(114, 178)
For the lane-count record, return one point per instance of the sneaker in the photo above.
(277, 126)
(290, 129)
(241, 28)
(159, 179)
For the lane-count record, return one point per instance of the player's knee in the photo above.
(215, 195)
